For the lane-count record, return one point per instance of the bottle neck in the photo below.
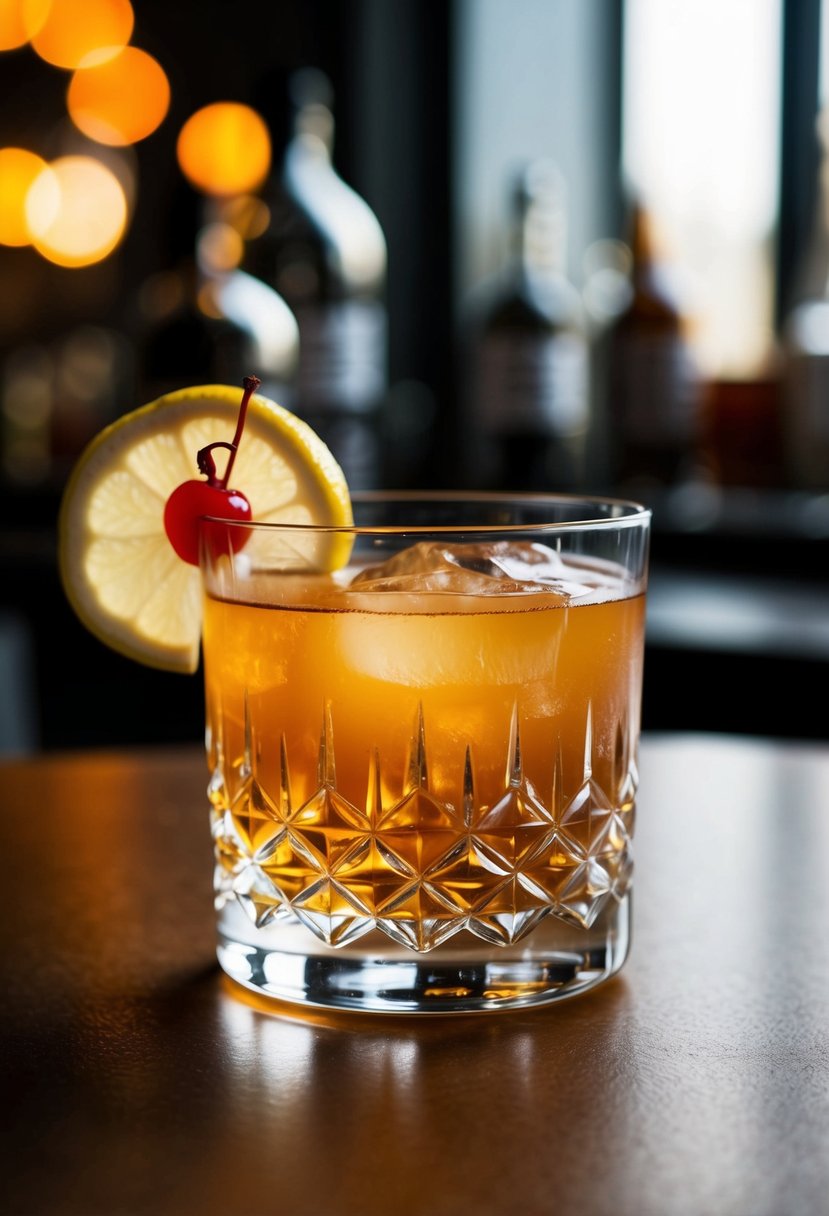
(540, 241)
(316, 122)
(640, 239)
(653, 290)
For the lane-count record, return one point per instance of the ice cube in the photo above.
(483, 568)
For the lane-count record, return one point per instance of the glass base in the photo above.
(555, 961)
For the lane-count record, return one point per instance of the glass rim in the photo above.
(630, 514)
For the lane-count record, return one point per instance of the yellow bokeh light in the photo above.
(225, 149)
(76, 211)
(20, 20)
(18, 169)
(118, 98)
(74, 29)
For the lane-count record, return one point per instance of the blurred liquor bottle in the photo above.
(55, 397)
(206, 321)
(650, 377)
(324, 251)
(805, 342)
(741, 441)
(528, 417)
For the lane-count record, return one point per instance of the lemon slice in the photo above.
(119, 570)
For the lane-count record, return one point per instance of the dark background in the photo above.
(62, 686)
(393, 66)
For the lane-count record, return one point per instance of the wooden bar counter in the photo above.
(136, 1081)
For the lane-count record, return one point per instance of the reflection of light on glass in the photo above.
(225, 149)
(118, 98)
(263, 314)
(358, 240)
(701, 106)
(76, 211)
(74, 28)
(18, 169)
(219, 247)
(20, 20)
(607, 284)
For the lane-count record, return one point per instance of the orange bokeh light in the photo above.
(225, 149)
(76, 211)
(20, 20)
(74, 29)
(18, 169)
(118, 98)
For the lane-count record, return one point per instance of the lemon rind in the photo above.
(326, 487)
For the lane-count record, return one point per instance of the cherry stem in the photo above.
(204, 458)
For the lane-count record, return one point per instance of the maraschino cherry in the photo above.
(192, 500)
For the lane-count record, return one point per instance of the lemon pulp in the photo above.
(118, 569)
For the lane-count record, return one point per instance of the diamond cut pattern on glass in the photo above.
(257, 895)
(418, 868)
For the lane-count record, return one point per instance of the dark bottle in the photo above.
(805, 344)
(324, 252)
(530, 403)
(652, 382)
(207, 322)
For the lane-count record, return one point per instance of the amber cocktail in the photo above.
(422, 735)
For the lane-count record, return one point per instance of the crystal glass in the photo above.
(422, 738)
